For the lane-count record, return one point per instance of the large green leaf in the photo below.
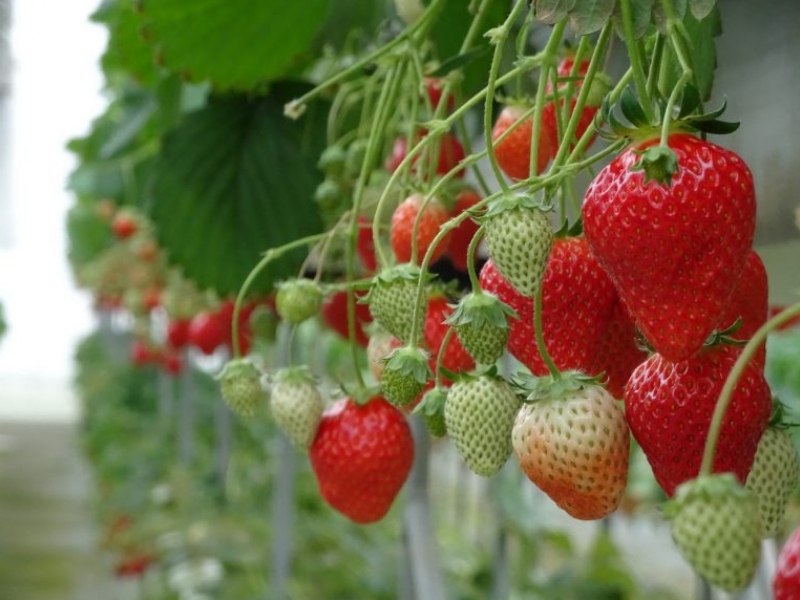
(588, 16)
(236, 44)
(88, 233)
(350, 21)
(127, 50)
(235, 179)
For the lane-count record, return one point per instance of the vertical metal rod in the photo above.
(419, 535)
(501, 585)
(186, 415)
(224, 436)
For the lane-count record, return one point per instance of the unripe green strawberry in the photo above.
(405, 372)
(298, 300)
(715, 526)
(432, 411)
(519, 238)
(479, 414)
(240, 382)
(774, 476)
(296, 405)
(572, 441)
(481, 322)
(391, 301)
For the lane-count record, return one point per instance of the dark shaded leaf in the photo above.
(701, 8)
(236, 44)
(589, 16)
(642, 13)
(235, 179)
(553, 11)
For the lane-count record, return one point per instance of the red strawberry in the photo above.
(669, 406)
(334, 312)
(674, 252)
(786, 581)
(775, 310)
(142, 353)
(134, 565)
(618, 354)
(178, 333)
(514, 152)
(456, 358)
(434, 88)
(124, 225)
(361, 457)
(463, 234)
(207, 332)
(750, 303)
(451, 152)
(578, 301)
(171, 361)
(365, 245)
(434, 215)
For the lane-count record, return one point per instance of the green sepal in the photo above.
(705, 487)
(659, 164)
(431, 409)
(481, 308)
(509, 202)
(632, 109)
(403, 272)
(537, 389)
(409, 361)
(238, 367)
(294, 374)
(567, 231)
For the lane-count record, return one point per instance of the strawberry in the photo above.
(572, 441)
(240, 382)
(451, 152)
(774, 476)
(774, 310)
(514, 151)
(365, 245)
(786, 581)
(134, 565)
(479, 414)
(456, 359)
(124, 224)
(402, 233)
(143, 353)
(618, 353)
(298, 300)
(361, 457)
(334, 313)
(578, 301)
(178, 333)
(405, 372)
(481, 321)
(392, 298)
(673, 251)
(296, 405)
(669, 406)
(171, 361)
(519, 238)
(462, 235)
(434, 88)
(715, 527)
(750, 303)
(206, 332)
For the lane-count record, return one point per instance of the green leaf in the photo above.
(551, 12)
(127, 49)
(347, 20)
(589, 16)
(234, 180)
(704, 50)
(642, 15)
(660, 19)
(88, 233)
(700, 9)
(236, 44)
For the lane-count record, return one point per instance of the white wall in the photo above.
(55, 92)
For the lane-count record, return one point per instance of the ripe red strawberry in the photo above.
(334, 312)
(462, 235)
(669, 406)
(134, 565)
(142, 353)
(786, 581)
(750, 303)
(618, 354)
(451, 152)
(715, 527)
(456, 359)
(178, 333)
(673, 251)
(365, 245)
(124, 225)
(574, 444)
(434, 216)
(206, 332)
(361, 457)
(514, 151)
(578, 302)
(434, 88)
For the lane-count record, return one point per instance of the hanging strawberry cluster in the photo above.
(629, 305)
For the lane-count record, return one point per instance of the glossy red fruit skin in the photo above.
(750, 302)
(514, 152)
(365, 245)
(434, 216)
(674, 253)
(178, 333)
(361, 457)
(578, 300)
(456, 358)
(786, 581)
(207, 332)
(123, 226)
(334, 313)
(463, 234)
(618, 354)
(451, 152)
(142, 354)
(669, 406)
(587, 114)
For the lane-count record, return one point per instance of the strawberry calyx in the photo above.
(405, 373)
(397, 273)
(298, 374)
(723, 336)
(481, 308)
(549, 388)
(511, 202)
(705, 487)
(431, 409)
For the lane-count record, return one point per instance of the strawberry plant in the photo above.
(417, 188)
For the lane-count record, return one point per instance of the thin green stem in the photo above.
(471, 250)
(636, 59)
(725, 396)
(440, 356)
(655, 65)
(541, 346)
(673, 98)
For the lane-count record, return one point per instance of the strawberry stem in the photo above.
(540, 343)
(471, 250)
(739, 366)
(440, 356)
(636, 59)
